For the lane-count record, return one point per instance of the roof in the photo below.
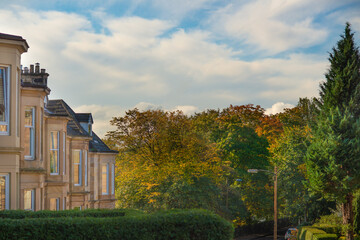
(84, 117)
(61, 108)
(97, 145)
(13, 38)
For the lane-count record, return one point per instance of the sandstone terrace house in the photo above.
(49, 156)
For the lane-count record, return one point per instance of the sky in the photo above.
(109, 56)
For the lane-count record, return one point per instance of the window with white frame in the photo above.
(113, 179)
(54, 204)
(29, 199)
(105, 179)
(4, 99)
(76, 156)
(86, 167)
(64, 153)
(29, 138)
(4, 191)
(54, 152)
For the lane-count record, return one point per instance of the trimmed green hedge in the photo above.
(20, 214)
(328, 228)
(308, 233)
(177, 225)
(326, 236)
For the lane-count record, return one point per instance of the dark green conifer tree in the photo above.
(333, 157)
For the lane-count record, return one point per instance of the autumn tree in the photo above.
(333, 156)
(163, 163)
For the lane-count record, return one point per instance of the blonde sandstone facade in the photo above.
(49, 156)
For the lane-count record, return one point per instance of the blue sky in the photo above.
(106, 57)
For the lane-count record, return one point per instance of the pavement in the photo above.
(280, 236)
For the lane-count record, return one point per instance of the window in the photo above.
(29, 137)
(113, 179)
(64, 203)
(55, 204)
(29, 199)
(64, 153)
(54, 153)
(41, 134)
(4, 100)
(77, 167)
(4, 192)
(86, 168)
(105, 179)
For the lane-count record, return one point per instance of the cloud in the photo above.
(278, 107)
(274, 26)
(101, 115)
(187, 110)
(150, 63)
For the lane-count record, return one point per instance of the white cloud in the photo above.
(278, 107)
(274, 26)
(151, 61)
(187, 110)
(101, 115)
(144, 106)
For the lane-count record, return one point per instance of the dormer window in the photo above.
(4, 100)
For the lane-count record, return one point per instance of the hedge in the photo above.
(328, 228)
(177, 225)
(308, 233)
(20, 214)
(326, 236)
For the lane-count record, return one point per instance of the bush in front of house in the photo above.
(20, 214)
(185, 224)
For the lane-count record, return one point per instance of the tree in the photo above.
(163, 163)
(333, 164)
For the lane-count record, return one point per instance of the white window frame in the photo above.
(80, 167)
(113, 179)
(64, 153)
(32, 134)
(107, 179)
(32, 199)
(57, 152)
(86, 167)
(7, 195)
(7, 84)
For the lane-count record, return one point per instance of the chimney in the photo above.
(37, 68)
(31, 68)
(43, 70)
(26, 70)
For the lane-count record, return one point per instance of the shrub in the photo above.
(307, 233)
(186, 224)
(326, 236)
(20, 214)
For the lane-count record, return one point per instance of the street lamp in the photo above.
(275, 174)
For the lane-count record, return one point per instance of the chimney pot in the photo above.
(37, 67)
(26, 70)
(31, 68)
(43, 70)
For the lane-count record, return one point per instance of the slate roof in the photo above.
(97, 145)
(61, 108)
(84, 117)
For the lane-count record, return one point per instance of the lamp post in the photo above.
(275, 174)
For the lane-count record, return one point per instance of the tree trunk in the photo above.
(348, 216)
